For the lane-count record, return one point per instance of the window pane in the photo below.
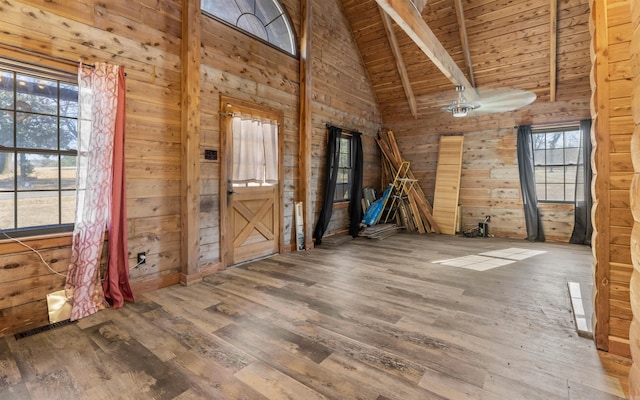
(555, 174)
(6, 128)
(68, 172)
(541, 191)
(6, 89)
(267, 11)
(68, 100)
(539, 157)
(540, 175)
(570, 173)
(37, 172)
(342, 176)
(7, 180)
(223, 9)
(571, 155)
(37, 95)
(572, 138)
(68, 203)
(539, 142)
(68, 134)
(253, 25)
(246, 6)
(555, 192)
(570, 192)
(7, 220)
(37, 132)
(280, 34)
(555, 156)
(37, 208)
(554, 140)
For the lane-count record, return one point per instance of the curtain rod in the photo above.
(343, 129)
(552, 125)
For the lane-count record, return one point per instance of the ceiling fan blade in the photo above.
(504, 99)
(490, 101)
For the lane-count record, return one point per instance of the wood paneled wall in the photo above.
(343, 96)
(490, 183)
(145, 37)
(634, 332)
(613, 172)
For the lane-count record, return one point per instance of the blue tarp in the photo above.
(372, 215)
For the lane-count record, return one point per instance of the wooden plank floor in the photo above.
(365, 320)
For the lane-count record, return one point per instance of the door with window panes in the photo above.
(253, 201)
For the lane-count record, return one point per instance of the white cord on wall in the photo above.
(35, 251)
(42, 258)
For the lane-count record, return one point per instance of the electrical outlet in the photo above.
(142, 258)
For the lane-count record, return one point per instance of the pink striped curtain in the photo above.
(99, 190)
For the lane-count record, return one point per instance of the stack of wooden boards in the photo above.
(414, 211)
(379, 232)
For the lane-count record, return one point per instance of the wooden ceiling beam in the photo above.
(464, 39)
(402, 69)
(404, 13)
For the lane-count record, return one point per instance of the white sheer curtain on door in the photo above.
(255, 150)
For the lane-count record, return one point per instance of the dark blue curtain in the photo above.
(528, 185)
(355, 205)
(582, 228)
(332, 164)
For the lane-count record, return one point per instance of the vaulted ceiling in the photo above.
(510, 44)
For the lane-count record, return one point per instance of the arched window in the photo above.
(264, 19)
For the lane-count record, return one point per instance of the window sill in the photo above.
(340, 204)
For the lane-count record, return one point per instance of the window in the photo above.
(555, 156)
(255, 151)
(263, 19)
(38, 132)
(343, 182)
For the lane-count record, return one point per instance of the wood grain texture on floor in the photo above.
(363, 320)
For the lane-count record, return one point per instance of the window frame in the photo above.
(60, 77)
(543, 198)
(285, 16)
(346, 137)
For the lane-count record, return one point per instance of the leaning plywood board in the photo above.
(445, 199)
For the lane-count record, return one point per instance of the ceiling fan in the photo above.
(489, 101)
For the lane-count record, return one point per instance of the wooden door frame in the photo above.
(229, 105)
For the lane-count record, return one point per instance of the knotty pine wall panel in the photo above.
(490, 182)
(634, 332)
(342, 96)
(144, 37)
(237, 66)
(621, 127)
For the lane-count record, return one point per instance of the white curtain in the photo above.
(98, 100)
(255, 149)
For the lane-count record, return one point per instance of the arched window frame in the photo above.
(292, 51)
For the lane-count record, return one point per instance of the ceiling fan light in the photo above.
(459, 111)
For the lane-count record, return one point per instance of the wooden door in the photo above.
(252, 208)
(253, 223)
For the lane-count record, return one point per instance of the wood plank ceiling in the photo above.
(510, 45)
